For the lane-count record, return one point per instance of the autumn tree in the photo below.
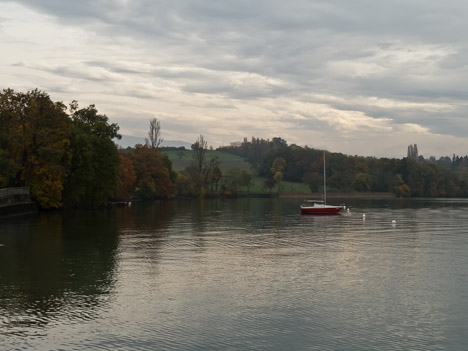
(127, 178)
(34, 144)
(400, 188)
(184, 186)
(277, 169)
(197, 180)
(152, 176)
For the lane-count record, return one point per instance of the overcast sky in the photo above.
(361, 77)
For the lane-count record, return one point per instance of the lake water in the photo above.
(236, 275)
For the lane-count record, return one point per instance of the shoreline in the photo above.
(15, 209)
(339, 195)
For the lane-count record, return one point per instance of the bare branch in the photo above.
(154, 135)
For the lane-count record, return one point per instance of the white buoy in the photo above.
(363, 216)
(393, 222)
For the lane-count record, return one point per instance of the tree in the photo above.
(278, 177)
(197, 179)
(184, 185)
(400, 188)
(199, 149)
(279, 164)
(363, 182)
(34, 145)
(154, 134)
(127, 178)
(413, 151)
(313, 180)
(95, 168)
(277, 169)
(245, 180)
(217, 175)
(212, 173)
(180, 154)
(269, 183)
(152, 177)
(236, 179)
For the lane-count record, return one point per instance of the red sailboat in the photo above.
(320, 206)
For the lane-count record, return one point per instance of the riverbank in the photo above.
(339, 195)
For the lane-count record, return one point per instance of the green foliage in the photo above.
(94, 173)
(34, 145)
(196, 180)
(168, 164)
(417, 177)
(90, 122)
(245, 180)
(70, 160)
(65, 159)
(313, 181)
(184, 186)
(227, 161)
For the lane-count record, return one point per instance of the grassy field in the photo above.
(228, 161)
(287, 187)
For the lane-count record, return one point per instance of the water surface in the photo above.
(235, 275)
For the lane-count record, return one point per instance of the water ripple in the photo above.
(241, 275)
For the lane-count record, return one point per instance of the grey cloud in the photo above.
(67, 71)
(299, 44)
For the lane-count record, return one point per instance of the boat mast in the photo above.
(324, 181)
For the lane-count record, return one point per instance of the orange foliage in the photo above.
(152, 177)
(127, 178)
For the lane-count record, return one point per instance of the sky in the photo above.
(361, 77)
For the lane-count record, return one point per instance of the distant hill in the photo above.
(128, 140)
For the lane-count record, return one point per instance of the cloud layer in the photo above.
(360, 77)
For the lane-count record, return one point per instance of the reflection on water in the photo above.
(237, 274)
(52, 269)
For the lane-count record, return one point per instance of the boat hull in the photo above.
(321, 209)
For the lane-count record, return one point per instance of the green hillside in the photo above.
(229, 162)
(180, 160)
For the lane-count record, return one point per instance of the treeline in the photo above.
(205, 177)
(67, 157)
(256, 150)
(412, 176)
